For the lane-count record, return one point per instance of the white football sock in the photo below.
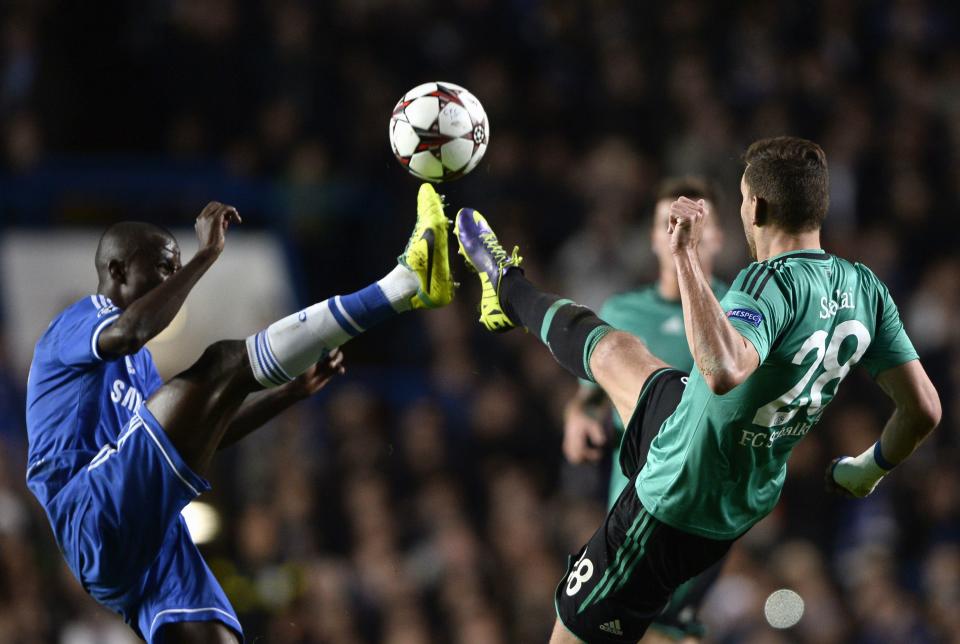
(399, 286)
(290, 346)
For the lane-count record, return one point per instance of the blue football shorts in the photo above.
(119, 526)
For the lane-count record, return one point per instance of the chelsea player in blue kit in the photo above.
(115, 454)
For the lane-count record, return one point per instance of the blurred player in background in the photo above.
(708, 460)
(115, 454)
(652, 313)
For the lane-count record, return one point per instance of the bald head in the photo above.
(122, 240)
(133, 257)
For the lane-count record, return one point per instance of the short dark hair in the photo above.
(790, 174)
(689, 186)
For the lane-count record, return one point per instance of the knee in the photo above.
(614, 346)
(222, 357)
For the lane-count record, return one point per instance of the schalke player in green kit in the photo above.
(769, 358)
(652, 313)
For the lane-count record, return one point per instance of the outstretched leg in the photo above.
(196, 407)
(581, 342)
(561, 635)
(621, 363)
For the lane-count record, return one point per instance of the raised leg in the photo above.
(581, 342)
(196, 407)
(621, 364)
(562, 636)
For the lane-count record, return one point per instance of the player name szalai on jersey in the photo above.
(829, 308)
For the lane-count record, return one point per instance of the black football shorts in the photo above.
(621, 580)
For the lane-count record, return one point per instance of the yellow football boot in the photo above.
(427, 253)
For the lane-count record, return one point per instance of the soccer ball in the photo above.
(439, 131)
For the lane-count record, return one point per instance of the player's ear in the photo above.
(761, 213)
(118, 272)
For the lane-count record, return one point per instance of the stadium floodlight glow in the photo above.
(203, 521)
(783, 608)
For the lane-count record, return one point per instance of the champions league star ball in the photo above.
(439, 131)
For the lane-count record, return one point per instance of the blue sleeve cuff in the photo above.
(95, 338)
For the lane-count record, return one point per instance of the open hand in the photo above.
(212, 224)
(583, 436)
(316, 377)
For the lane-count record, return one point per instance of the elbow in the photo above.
(727, 371)
(929, 411)
(723, 381)
(123, 342)
(132, 340)
(134, 344)
(923, 411)
(123, 347)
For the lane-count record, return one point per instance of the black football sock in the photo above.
(569, 330)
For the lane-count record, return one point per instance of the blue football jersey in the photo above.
(78, 403)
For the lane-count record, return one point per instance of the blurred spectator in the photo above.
(422, 500)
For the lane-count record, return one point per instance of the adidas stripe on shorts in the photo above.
(619, 582)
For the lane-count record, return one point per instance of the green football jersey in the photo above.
(659, 323)
(719, 462)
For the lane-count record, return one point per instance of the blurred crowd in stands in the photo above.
(423, 497)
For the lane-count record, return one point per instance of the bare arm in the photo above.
(257, 409)
(724, 357)
(150, 314)
(265, 405)
(917, 410)
(583, 433)
(917, 413)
